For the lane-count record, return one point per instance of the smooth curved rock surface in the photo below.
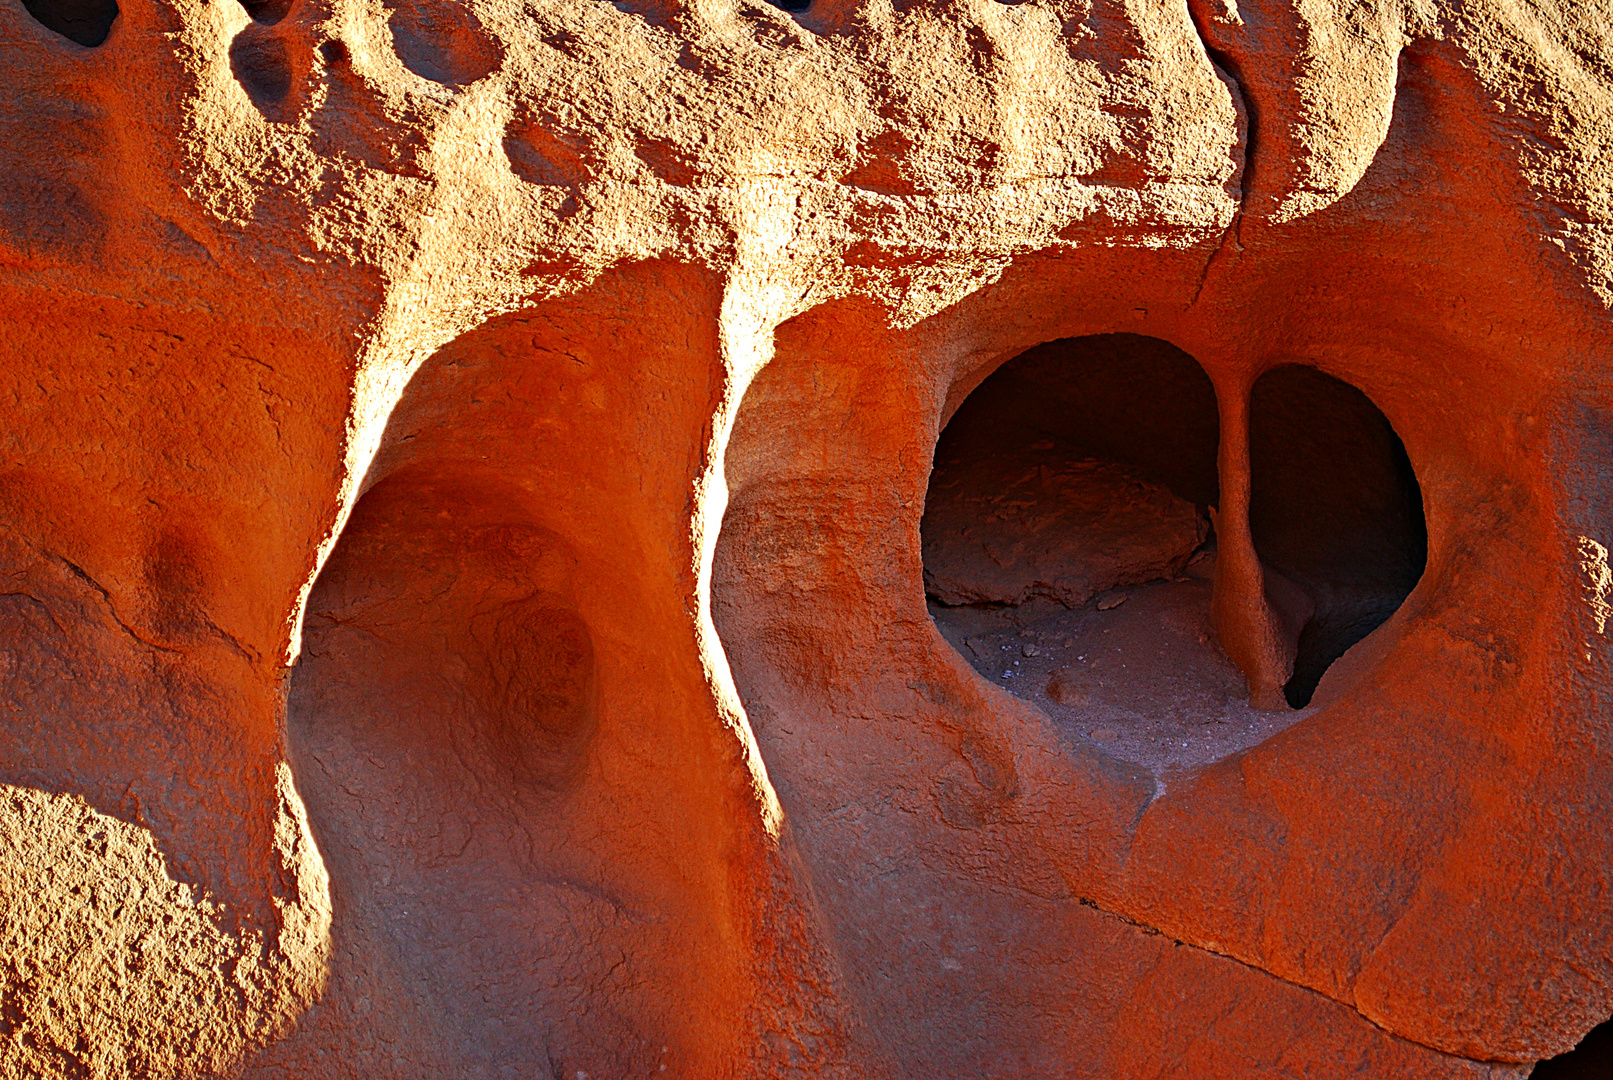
(562, 380)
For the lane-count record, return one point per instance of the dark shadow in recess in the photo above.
(88, 22)
(443, 42)
(1592, 1059)
(1135, 400)
(267, 12)
(1335, 508)
(260, 63)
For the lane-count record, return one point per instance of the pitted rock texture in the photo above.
(461, 587)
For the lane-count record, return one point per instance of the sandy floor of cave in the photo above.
(1142, 679)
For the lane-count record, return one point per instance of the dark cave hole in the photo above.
(267, 12)
(792, 6)
(1135, 400)
(1335, 508)
(1067, 548)
(1069, 557)
(87, 22)
(1592, 1059)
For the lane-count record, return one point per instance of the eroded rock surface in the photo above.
(562, 379)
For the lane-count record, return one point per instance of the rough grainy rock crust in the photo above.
(562, 380)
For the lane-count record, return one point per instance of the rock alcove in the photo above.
(86, 22)
(1070, 550)
(622, 742)
(446, 676)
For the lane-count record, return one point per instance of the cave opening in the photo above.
(1335, 507)
(86, 22)
(1069, 547)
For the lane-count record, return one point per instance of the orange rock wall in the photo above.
(461, 605)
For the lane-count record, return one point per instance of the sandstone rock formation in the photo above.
(1062, 528)
(463, 603)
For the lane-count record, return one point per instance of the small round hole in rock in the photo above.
(87, 22)
(1335, 508)
(261, 65)
(267, 12)
(1068, 553)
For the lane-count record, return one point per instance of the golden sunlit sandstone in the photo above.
(462, 602)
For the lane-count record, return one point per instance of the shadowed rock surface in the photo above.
(1004, 529)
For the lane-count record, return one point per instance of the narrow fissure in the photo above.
(1227, 66)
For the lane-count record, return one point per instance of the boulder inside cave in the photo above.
(1044, 521)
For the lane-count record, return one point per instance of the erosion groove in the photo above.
(1231, 74)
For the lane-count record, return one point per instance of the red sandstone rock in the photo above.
(1062, 529)
(563, 381)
